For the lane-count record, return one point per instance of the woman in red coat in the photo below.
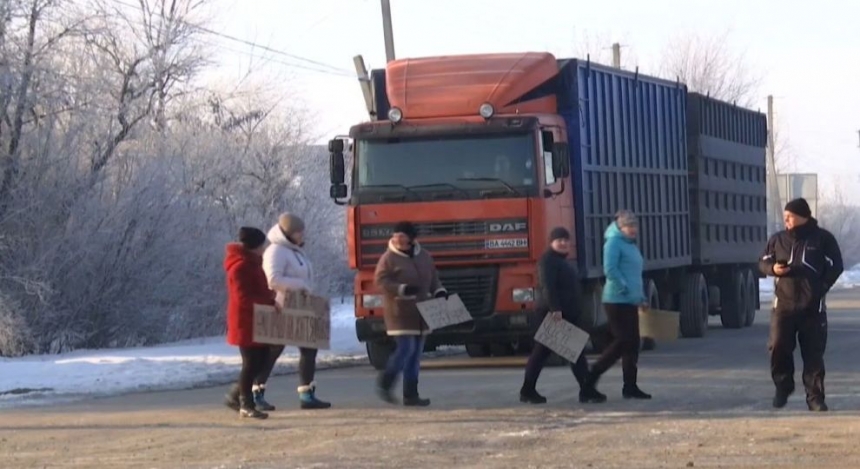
(246, 286)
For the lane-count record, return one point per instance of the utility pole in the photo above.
(773, 181)
(616, 55)
(387, 31)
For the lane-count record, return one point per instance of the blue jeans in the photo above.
(406, 358)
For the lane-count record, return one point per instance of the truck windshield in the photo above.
(459, 167)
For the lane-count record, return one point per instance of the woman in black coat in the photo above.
(558, 295)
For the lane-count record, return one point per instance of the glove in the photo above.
(410, 290)
(441, 294)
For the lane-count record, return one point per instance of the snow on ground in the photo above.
(186, 364)
(849, 279)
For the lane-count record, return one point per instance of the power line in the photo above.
(229, 37)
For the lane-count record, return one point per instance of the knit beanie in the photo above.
(559, 232)
(290, 224)
(799, 207)
(251, 238)
(406, 228)
(626, 218)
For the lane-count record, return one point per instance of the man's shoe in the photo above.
(817, 405)
(531, 396)
(633, 392)
(591, 396)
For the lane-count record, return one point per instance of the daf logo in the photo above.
(507, 227)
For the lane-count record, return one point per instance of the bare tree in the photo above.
(707, 65)
(842, 217)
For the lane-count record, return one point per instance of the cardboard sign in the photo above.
(439, 312)
(305, 321)
(659, 324)
(562, 338)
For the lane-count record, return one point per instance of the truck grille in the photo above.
(374, 240)
(476, 287)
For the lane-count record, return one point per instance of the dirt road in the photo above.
(711, 409)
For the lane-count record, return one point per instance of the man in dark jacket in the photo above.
(806, 261)
(559, 295)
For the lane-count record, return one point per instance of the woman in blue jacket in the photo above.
(622, 296)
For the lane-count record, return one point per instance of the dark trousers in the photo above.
(786, 329)
(254, 361)
(406, 358)
(307, 364)
(624, 328)
(537, 360)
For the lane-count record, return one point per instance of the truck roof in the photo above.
(459, 85)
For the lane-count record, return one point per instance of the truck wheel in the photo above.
(592, 306)
(653, 297)
(694, 306)
(378, 352)
(501, 349)
(733, 293)
(477, 350)
(749, 282)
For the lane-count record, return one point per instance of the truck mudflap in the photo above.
(497, 326)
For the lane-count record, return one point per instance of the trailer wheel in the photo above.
(592, 306)
(653, 298)
(477, 350)
(749, 282)
(378, 352)
(694, 306)
(734, 304)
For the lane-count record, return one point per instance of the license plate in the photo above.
(510, 243)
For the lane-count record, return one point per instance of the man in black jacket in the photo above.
(559, 295)
(806, 261)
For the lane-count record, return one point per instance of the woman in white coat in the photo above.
(288, 269)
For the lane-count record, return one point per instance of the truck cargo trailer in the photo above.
(487, 153)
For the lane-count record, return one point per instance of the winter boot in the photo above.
(308, 398)
(529, 395)
(411, 397)
(817, 405)
(247, 410)
(384, 383)
(260, 403)
(590, 395)
(633, 392)
(780, 398)
(231, 399)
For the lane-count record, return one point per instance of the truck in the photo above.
(486, 153)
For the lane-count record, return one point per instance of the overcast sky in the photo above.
(806, 56)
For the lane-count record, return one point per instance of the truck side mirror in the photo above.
(560, 160)
(337, 167)
(337, 191)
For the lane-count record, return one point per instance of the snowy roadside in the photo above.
(188, 364)
(849, 279)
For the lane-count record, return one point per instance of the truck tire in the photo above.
(592, 306)
(475, 350)
(499, 349)
(750, 284)
(378, 352)
(734, 304)
(694, 305)
(653, 298)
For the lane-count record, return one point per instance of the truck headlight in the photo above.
(371, 301)
(523, 295)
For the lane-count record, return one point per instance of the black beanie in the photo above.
(251, 238)
(559, 233)
(799, 207)
(406, 228)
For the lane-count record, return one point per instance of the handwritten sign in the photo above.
(439, 312)
(562, 338)
(305, 321)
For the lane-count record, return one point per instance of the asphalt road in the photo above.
(711, 408)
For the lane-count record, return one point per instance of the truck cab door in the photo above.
(557, 190)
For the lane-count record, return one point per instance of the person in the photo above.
(289, 271)
(558, 295)
(405, 274)
(806, 261)
(622, 296)
(246, 286)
